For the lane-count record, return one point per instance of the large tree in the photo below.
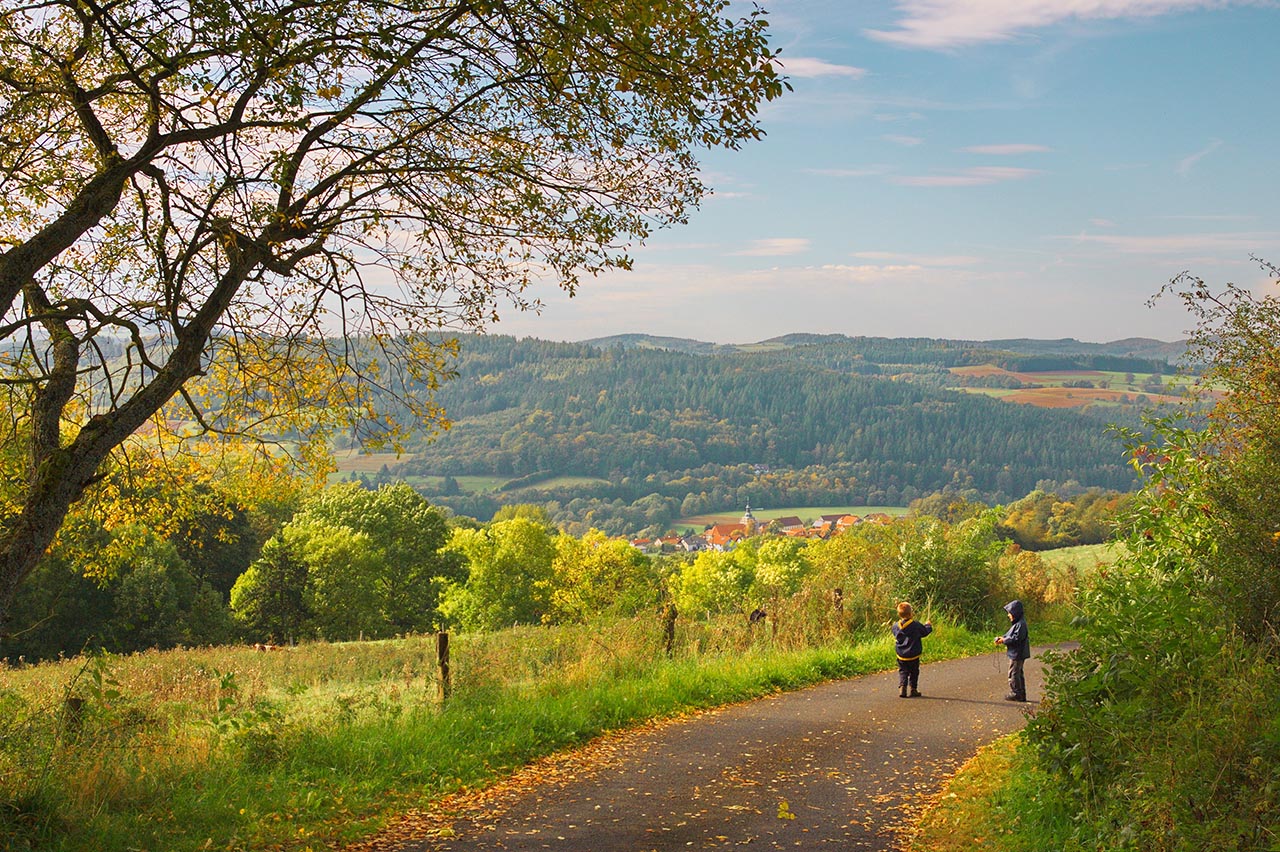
(197, 197)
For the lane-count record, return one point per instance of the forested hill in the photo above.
(794, 421)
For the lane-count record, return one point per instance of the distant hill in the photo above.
(649, 341)
(1136, 347)
(1130, 347)
(634, 431)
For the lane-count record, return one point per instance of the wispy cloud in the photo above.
(776, 247)
(1186, 164)
(1180, 245)
(905, 141)
(1007, 150)
(807, 66)
(977, 176)
(1102, 223)
(940, 24)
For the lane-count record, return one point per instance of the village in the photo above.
(726, 536)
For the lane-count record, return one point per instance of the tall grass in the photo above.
(229, 748)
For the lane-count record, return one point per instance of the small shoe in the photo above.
(1012, 697)
(915, 693)
(902, 693)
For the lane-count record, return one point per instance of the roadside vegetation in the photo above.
(1162, 732)
(320, 743)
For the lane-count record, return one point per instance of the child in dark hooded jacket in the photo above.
(908, 634)
(1017, 646)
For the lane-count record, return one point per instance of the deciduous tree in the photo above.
(197, 196)
(509, 576)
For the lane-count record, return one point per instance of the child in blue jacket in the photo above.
(908, 634)
(1017, 646)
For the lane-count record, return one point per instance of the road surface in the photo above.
(843, 765)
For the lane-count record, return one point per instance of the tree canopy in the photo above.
(198, 197)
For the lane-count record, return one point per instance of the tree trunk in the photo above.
(60, 474)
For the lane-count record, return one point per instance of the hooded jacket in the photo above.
(908, 633)
(1017, 641)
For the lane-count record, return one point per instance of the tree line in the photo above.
(229, 552)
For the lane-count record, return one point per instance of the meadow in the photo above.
(1084, 557)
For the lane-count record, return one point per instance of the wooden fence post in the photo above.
(669, 630)
(73, 716)
(442, 654)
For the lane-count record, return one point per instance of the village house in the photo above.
(725, 536)
(693, 543)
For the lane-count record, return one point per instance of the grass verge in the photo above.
(972, 810)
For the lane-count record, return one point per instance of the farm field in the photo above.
(566, 482)
(1053, 391)
(356, 461)
(466, 484)
(353, 461)
(806, 513)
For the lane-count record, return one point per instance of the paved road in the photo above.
(843, 765)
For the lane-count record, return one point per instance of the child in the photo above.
(909, 634)
(1017, 645)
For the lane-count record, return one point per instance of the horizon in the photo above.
(497, 332)
(950, 168)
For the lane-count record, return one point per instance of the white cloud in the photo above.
(977, 176)
(939, 24)
(1102, 223)
(806, 66)
(907, 141)
(1186, 164)
(775, 247)
(1007, 150)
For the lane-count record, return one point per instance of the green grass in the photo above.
(997, 393)
(312, 747)
(566, 482)
(971, 811)
(1085, 557)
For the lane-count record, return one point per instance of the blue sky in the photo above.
(972, 169)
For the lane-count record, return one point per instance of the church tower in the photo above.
(749, 522)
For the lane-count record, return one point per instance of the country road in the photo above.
(842, 765)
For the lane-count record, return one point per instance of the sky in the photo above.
(972, 169)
